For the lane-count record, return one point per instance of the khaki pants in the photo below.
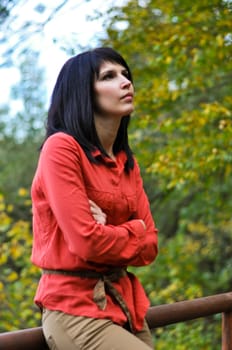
(67, 332)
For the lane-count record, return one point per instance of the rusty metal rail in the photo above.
(157, 316)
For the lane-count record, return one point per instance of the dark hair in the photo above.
(72, 103)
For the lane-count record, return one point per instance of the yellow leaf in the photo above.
(12, 276)
(168, 59)
(220, 40)
(22, 192)
(1, 286)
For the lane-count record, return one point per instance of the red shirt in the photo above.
(67, 237)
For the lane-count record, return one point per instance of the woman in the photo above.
(91, 217)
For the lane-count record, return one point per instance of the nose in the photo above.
(125, 83)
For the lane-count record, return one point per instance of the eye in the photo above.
(111, 74)
(126, 74)
(108, 76)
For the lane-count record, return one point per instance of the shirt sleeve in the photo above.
(63, 185)
(149, 246)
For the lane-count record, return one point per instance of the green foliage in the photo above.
(182, 64)
(21, 136)
(31, 92)
(180, 53)
(189, 336)
(178, 275)
(17, 163)
(19, 277)
(22, 132)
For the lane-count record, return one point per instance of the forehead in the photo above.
(107, 65)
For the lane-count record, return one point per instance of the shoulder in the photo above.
(61, 147)
(61, 141)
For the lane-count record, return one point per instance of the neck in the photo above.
(107, 129)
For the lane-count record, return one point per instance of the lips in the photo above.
(128, 95)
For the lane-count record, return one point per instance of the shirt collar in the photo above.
(121, 157)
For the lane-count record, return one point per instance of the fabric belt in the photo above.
(104, 285)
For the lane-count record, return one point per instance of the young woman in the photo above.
(91, 216)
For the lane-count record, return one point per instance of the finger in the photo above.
(93, 205)
(96, 210)
(100, 219)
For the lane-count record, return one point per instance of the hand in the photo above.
(97, 213)
(144, 225)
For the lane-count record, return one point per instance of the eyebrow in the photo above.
(107, 71)
(112, 70)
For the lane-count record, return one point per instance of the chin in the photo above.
(130, 110)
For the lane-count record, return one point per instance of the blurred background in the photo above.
(180, 53)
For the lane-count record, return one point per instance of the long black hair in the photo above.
(72, 103)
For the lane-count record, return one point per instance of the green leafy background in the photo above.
(180, 56)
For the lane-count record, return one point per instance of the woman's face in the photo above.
(113, 91)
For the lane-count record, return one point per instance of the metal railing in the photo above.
(157, 316)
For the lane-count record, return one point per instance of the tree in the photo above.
(23, 133)
(5, 8)
(20, 141)
(19, 277)
(19, 35)
(180, 53)
(31, 92)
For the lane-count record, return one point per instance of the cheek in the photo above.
(102, 101)
(107, 92)
(105, 97)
